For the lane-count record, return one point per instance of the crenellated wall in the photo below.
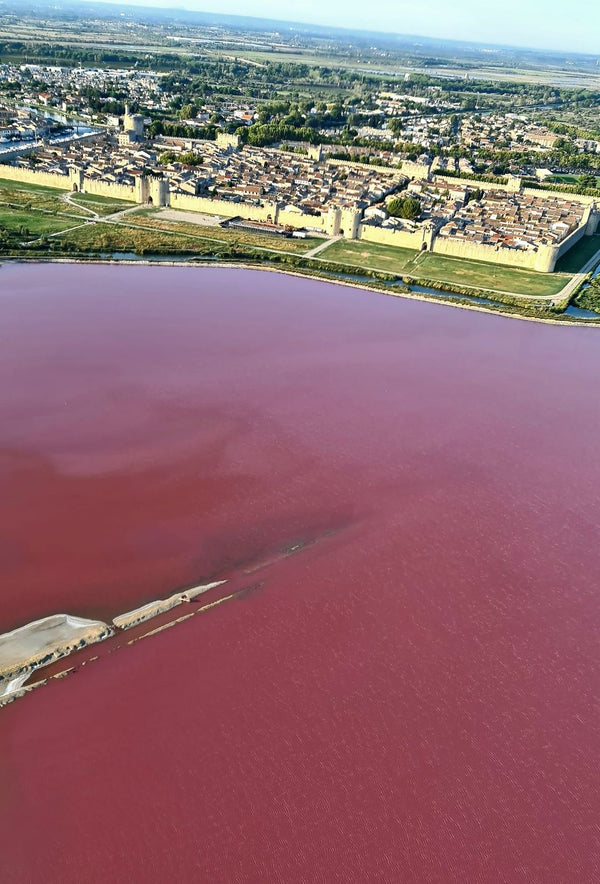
(269, 212)
(371, 167)
(298, 219)
(32, 176)
(403, 239)
(225, 208)
(491, 254)
(110, 189)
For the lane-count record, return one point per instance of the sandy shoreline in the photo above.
(216, 265)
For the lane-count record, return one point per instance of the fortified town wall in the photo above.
(226, 208)
(31, 176)
(542, 259)
(111, 190)
(336, 222)
(403, 239)
(74, 181)
(331, 223)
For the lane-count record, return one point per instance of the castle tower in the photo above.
(315, 152)
(227, 141)
(593, 217)
(334, 217)
(350, 222)
(546, 259)
(142, 189)
(76, 179)
(159, 191)
(133, 125)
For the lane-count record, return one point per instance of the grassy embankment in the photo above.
(441, 268)
(146, 237)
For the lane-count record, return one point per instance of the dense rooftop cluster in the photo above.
(515, 221)
(257, 174)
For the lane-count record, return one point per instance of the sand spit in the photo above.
(152, 609)
(38, 643)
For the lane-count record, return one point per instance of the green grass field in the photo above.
(440, 268)
(460, 271)
(102, 205)
(50, 199)
(579, 255)
(563, 178)
(33, 223)
(390, 259)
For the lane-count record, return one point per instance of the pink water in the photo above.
(414, 696)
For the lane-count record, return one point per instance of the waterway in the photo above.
(581, 313)
(75, 129)
(410, 690)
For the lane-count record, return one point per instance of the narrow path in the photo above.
(69, 199)
(116, 216)
(322, 246)
(85, 223)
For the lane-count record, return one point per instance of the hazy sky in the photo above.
(555, 24)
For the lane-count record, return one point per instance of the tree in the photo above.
(190, 158)
(407, 207)
(168, 157)
(188, 112)
(586, 180)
